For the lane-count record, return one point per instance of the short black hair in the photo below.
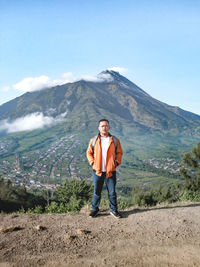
(104, 120)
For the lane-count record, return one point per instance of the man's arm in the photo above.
(119, 153)
(90, 153)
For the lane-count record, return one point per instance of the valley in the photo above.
(43, 168)
(47, 166)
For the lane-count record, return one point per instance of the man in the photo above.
(104, 154)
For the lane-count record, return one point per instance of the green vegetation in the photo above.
(139, 196)
(191, 174)
(30, 157)
(14, 198)
(73, 194)
(148, 129)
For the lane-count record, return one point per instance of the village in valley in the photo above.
(166, 164)
(42, 168)
(48, 168)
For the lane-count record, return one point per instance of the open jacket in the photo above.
(113, 160)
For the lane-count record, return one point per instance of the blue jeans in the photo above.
(98, 182)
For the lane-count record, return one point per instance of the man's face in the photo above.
(103, 128)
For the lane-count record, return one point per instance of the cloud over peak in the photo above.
(30, 84)
(119, 69)
(102, 77)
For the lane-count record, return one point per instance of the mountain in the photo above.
(44, 134)
(128, 107)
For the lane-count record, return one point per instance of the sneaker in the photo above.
(94, 213)
(115, 214)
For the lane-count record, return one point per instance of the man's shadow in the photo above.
(127, 213)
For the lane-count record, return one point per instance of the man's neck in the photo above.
(104, 135)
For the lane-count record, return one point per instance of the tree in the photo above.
(13, 198)
(71, 196)
(191, 173)
(80, 190)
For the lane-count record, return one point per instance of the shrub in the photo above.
(71, 196)
(154, 196)
(74, 188)
(166, 194)
(14, 198)
(36, 210)
(56, 208)
(190, 195)
(124, 202)
(72, 206)
(191, 173)
(143, 198)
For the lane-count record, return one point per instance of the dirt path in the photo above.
(160, 236)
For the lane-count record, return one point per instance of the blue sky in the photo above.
(155, 43)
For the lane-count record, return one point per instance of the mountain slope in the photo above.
(116, 98)
(44, 134)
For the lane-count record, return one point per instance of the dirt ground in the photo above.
(159, 236)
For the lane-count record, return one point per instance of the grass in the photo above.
(135, 177)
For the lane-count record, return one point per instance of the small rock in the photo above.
(10, 229)
(104, 261)
(40, 228)
(14, 216)
(82, 232)
(78, 256)
(69, 237)
(91, 237)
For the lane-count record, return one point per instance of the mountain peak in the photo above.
(115, 76)
(112, 73)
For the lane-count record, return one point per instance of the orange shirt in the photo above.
(95, 157)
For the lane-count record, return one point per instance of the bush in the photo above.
(124, 203)
(166, 194)
(73, 206)
(14, 198)
(55, 208)
(151, 198)
(36, 210)
(191, 173)
(142, 198)
(190, 195)
(74, 188)
(71, 196)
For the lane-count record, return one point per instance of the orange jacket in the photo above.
(94, 157)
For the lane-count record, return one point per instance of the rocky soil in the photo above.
(158, 236)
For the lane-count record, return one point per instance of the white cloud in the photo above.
(30, 122)
(102, 77)
(30, 84)
(119, 69)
